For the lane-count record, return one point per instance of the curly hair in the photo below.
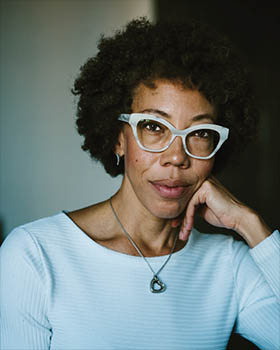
(142, 52)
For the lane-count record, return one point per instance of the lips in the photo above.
(169, 188)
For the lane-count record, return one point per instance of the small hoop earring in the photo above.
(118, 159)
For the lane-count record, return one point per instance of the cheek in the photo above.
(203, 168)
(139, 159)
(136, 157)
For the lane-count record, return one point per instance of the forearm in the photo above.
(252, 227)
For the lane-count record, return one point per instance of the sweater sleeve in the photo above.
(257, 279)
(24, 322)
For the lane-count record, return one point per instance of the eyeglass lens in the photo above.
(155, 136)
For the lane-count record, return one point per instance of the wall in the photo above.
(43, 44)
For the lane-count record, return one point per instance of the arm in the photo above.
(24, 302)
(257, 287)
(256, 270)
(220, 208)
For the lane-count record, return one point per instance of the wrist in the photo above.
(252, 228)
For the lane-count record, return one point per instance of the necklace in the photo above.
(156, 285)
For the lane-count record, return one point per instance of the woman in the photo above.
(166, 106)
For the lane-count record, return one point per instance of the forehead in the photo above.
(172, 99)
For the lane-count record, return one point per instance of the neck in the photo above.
(154, 236)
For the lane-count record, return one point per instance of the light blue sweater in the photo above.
(61, 290)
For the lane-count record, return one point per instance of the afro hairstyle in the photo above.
(142, 52)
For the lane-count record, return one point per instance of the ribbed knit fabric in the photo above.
(61, 290)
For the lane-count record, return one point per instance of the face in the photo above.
(163, 183)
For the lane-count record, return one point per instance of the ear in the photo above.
(120, 145)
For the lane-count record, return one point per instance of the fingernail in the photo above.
(181, 235)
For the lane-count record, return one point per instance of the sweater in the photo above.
(61, 290)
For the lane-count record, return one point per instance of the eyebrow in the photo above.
(196, 118)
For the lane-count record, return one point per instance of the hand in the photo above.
(220, 208)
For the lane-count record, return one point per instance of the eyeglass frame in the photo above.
(133, 119)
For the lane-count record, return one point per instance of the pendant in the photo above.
(157, 286)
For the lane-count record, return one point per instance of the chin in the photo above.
(169, 210)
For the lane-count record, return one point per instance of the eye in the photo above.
(204, 134)
(150, 125)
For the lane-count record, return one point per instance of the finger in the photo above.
(184, 233)
(185, 230)
(188, 220)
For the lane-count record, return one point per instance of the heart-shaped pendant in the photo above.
(157, 286)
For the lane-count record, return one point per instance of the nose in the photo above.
(175, 155)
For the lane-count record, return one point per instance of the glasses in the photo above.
(155, 134)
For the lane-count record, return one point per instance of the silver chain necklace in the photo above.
(156, 285)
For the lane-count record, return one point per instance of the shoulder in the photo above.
(24, 253)
(37, 229)
(217, 242)
(224, 250)
(219, 250)
(30, 240)
(41, 250)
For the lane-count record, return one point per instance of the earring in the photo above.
(118, 159)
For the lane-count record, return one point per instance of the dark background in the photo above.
(254, 27)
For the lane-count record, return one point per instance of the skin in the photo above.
(146, 171)
(182, 108)
(166, 189)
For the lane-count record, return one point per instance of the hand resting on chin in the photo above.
(216, 205)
